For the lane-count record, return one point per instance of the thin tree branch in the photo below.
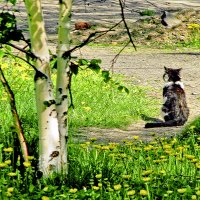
(125, 24)
(89, 39)
(22, 50)
(17, 122)
(114, 60)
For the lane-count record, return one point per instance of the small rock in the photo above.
(82, 25)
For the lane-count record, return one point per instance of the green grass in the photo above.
(162, 169)
(101, 104)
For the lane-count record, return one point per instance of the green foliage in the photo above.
(161, 169)
(107, 104)
(8, 28)
(147, 12)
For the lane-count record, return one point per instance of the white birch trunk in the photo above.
(63, 78)
(49, 139)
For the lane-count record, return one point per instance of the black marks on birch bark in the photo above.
(53, 155)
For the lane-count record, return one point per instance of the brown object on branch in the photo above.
(15, 115)
(82, 25)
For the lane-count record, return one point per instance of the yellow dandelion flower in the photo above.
(95, 188)
(143, 192)
(190, 157)
(73, 190)
(131, 192)
(45, 198)
(193, 197)
(146, 179)
(26, 164)
(167, 146)
(98, 176)
(93, 139)
(126, 176)
(9, 149)
(194, 160)
(8, 162)
(135, 137)
(105, 147)
(198, 138)
(117, 187)
(2, 165)
(10, 189)
(198, 193)
(45, 189)
(147, 172)
(198, 165)
(162, 157)
(100, 184)
(12, 174)
(87, 143)
(8, 194)
(181, 190)
(87, 108)
(169, 192)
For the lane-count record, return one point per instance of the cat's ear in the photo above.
(179, 69)
(166, 69)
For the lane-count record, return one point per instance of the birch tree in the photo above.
(52, 110)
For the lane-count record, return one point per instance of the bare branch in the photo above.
(125, 24)
(22, 50)
(117, 56)
(17, 122)
(89, 39)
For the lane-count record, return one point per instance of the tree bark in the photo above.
(49, 138)
(63, 76)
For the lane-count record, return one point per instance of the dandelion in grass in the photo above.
(10, 189)
(126, 176)
(182, 190)
(105, 148)
(143, 192)
(198, 138)
(193, 197)
(73, 190)
(198, 193)
(45, 198)
(95, 188)
(87, 108)
(8, 194)
(117, 187)
(169, 192)
(190, 157)
(135, 137)
(147, 172)
(2, 165)
(93, 139)
(98, 176)
(12, 174)
(131, 192)
(8, 162)
(100, 185)
(26, 164)
(193, 26)
(146, 179)
(9, 149)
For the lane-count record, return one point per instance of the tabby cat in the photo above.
(174, 109)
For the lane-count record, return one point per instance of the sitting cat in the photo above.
(174, 109)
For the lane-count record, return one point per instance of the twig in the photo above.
(89, 39)
(22, 50)
(117, 56)
(125, 24)
(15, 115)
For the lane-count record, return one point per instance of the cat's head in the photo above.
(172, 74)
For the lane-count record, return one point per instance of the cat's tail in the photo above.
(164, 124)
